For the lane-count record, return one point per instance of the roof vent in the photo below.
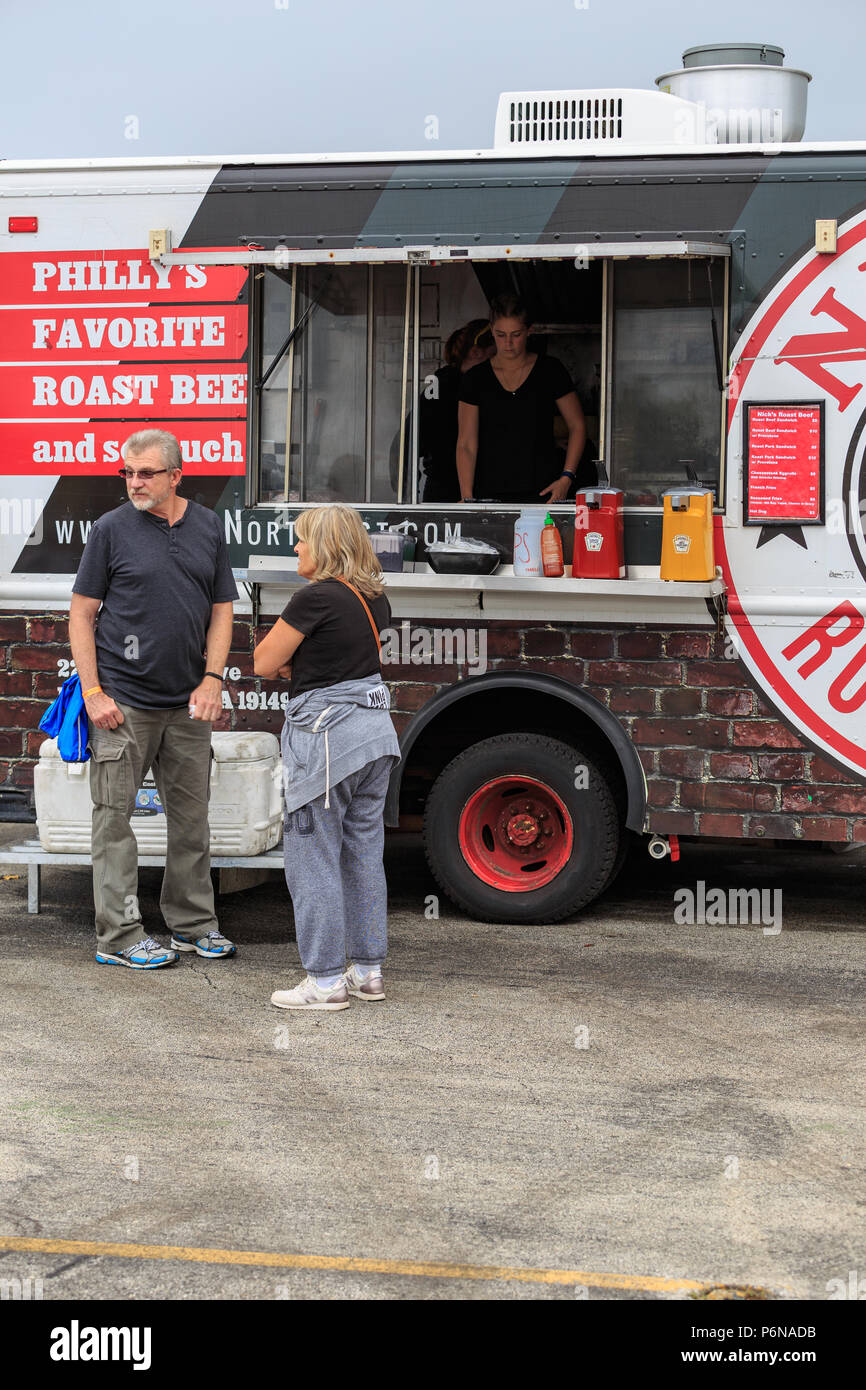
(744, 94)
(603, 118)
(728, 53)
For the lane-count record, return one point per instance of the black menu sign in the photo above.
(783, 451)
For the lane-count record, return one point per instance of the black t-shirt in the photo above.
(438, 437)
(158, 584)
(338, 640)
(516, 451)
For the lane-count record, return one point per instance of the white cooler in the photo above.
(245, 812)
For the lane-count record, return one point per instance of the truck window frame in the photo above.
(414, 259)
(722, 313)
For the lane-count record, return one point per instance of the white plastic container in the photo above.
(527, 541)
(245, 813)
(388, 549)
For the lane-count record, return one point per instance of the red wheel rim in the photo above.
(515, 834)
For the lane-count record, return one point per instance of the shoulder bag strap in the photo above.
(359, 595)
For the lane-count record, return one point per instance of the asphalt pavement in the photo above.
(625, 1106)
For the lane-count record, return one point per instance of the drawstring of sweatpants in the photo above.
(327, 757)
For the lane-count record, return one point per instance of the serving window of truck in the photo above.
(345, 351)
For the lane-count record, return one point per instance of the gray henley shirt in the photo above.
(158, 584)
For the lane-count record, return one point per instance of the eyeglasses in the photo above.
(144, 473)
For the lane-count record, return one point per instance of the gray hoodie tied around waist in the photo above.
(332, 732)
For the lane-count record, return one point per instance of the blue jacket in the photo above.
(66, 721)
(330, 733)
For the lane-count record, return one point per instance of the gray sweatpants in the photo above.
(335, 874)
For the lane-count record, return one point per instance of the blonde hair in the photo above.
(340, 547)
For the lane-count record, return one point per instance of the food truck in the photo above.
(697, 268)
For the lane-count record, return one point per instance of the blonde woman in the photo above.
(339, 747)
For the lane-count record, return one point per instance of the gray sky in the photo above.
(302, 76)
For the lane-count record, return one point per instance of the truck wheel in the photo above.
(521, 828)
(627, 840)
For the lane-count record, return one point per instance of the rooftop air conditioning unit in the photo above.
(597, 119)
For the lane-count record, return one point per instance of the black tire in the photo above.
(591, 808)
(627, 841)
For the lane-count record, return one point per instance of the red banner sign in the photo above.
(163, 334)
(120, 393)
(109, 336)
(72, 447)
(113, 277)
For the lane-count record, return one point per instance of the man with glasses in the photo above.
(150, 626)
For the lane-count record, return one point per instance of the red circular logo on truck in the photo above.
(796, 602)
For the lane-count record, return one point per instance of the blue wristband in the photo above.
(566, 474)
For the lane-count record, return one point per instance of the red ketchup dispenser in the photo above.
(598, 546)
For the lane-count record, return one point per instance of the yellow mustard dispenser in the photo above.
(687, 534)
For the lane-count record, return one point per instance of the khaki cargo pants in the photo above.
(177, 748)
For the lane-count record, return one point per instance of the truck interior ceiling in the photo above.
(348, 356)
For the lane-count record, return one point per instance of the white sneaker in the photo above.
(308, 995)
(367, 987)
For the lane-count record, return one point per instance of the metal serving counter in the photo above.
(641, 598)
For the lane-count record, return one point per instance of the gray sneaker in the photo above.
(145, 955)
(368, 987)
(213, 946)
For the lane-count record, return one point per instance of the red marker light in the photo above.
(24, 224)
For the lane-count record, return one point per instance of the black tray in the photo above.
(462, 562)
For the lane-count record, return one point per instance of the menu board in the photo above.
(783, 451)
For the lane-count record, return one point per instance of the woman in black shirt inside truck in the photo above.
(466, 348)
(505, 445)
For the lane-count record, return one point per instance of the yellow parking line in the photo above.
(647, 1283)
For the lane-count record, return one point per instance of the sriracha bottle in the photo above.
(551, 550)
